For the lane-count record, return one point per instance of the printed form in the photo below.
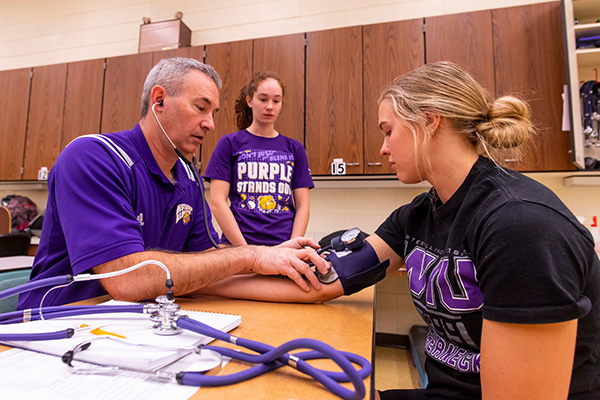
(27, 374)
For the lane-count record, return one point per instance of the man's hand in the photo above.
(303, 243)
(290, 259)
(300, 243)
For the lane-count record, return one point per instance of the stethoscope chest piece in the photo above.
(165, 317)
(328, 277)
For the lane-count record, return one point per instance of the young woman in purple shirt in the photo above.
(263, 174)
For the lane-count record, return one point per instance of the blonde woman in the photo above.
(503, 274)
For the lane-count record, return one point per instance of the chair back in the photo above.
(14, 244)
(9, 280)
(5, 220)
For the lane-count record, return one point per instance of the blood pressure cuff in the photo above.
(358, 269)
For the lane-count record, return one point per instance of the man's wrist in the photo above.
(249, 258)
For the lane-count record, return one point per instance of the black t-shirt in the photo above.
(504, 248)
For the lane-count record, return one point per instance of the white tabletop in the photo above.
(15, 262)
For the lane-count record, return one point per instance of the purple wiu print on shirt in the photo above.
(445, 291)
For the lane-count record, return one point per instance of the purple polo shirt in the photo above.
(107, 199)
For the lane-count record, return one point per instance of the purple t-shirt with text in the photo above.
(262, 173)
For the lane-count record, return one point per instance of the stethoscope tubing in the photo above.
(65, 311)
(30, 337)
(307, 355)
(268, 358)
(59, 312)
(32, 285)
(280, 355)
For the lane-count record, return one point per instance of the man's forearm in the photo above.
(189, 271)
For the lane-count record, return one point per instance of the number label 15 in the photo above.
(338, 167)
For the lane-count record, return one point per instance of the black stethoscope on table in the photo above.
(170, 322)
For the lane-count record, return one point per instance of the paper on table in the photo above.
(27, 375)
(135, 327)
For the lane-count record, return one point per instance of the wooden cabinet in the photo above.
(518, 51)
(284, 55)
(83, 99)
(465, 39)
(44, 126)
(529, 61)
(333, 79)
(233, 62)
(123, 83)
(196, 52)
(14, 104)
(389, 50)
(583, 62)
(334, 105)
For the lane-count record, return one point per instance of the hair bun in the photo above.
(507, 123)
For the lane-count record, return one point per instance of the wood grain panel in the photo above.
(123, 84)
(233, 62)
(196, 52)
(44, 127)
(389, 50)
(14, 104)
(284, 55)
(465, 39)
(83, 99)
(530, 61)
(334, 98)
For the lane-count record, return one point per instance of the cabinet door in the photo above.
(196, 52)
(465, 39)
(233, 62)
(14, 104)
(83, 99)
(334, 99)
(389, 50)
(530, 61)
(284, 55)
(123, 84)
(44, 127)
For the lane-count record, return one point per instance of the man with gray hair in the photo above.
(118, 199)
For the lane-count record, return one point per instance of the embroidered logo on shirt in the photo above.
(140, 219)
(184, 213)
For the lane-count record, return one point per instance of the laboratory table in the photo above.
(345, 323)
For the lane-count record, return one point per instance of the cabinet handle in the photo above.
(374, 163)
(511, 160)
(352, 164)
